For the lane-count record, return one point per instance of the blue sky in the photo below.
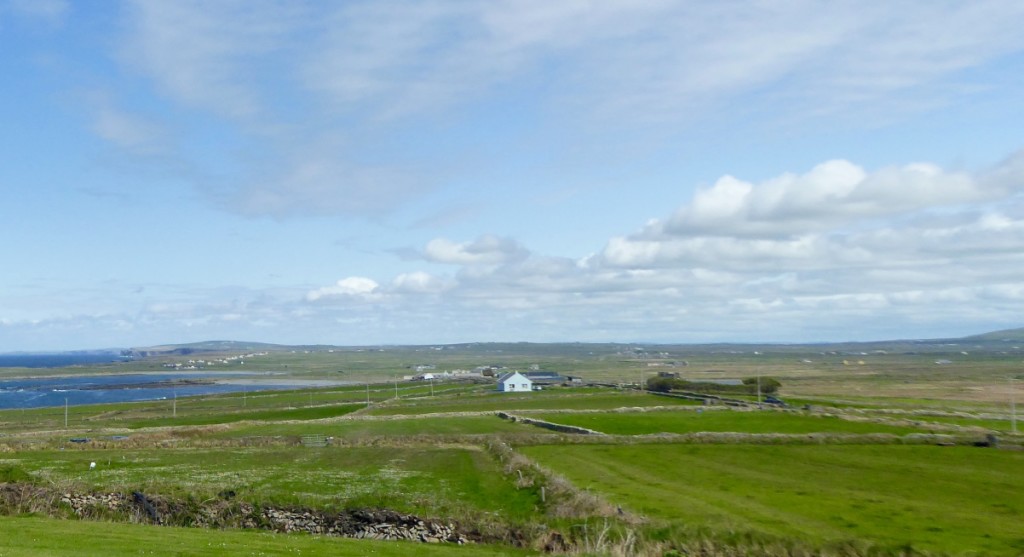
(385, 172)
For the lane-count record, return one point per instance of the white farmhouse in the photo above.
(514, 382)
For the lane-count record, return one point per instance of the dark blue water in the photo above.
(56, 360)
(97, 389)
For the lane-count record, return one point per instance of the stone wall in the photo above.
(360, 524)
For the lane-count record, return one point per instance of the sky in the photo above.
(391, 172)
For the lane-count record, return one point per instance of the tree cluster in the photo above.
(769, 385)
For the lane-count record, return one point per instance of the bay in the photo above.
(62, 359)
(40, 392)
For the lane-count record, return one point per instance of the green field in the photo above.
(643, 423)
(430, 481)
(402, 427)
(573, 399)
(438, 451)
(41, 537)
(940, 499)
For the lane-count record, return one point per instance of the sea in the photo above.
(57, 360)
(75, 390)
(40, 392)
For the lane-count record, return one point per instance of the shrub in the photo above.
(769, 385)
(15, 475)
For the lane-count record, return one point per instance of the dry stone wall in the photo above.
(360, 524)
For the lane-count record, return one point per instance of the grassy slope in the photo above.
(417, 426)
(952, 499)
(37, 537)
(440, 482)
(816, 493)
(598, 399)
(745, 422)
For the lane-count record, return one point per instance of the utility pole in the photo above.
(396, 387)
(367, 394)
(174, 406)
(759, 389)
(65, 413)
(431, 387)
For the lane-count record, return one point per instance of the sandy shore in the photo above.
(286, 382)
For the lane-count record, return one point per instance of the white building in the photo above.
(514, 382)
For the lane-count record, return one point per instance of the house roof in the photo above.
(543, 375)
(506, 376)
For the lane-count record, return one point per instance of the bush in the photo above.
(15, 475)
(769, 385)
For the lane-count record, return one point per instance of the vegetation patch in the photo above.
(644, 423)
(554, 399)
(872, 496)
(35, 536)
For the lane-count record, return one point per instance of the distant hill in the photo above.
(207, 347)
(1006, 335)
(995, 340)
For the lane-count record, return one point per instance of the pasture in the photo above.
(456, 482)
(45, 537)
(555, 399)
(645, 423)
(437, 450)
(938, 499)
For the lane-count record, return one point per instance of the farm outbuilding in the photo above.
(514, 382)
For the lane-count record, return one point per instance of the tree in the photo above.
(769, 385)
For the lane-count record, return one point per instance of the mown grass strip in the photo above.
(643, 423)
(554, 399)
(941, 499)
(36, 537)
(406, 427)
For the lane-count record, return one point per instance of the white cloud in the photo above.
(357, 287)
(830, 195)
(485, 250)
(419, 282)
(276, 72)
(319, 182)
(207, 55)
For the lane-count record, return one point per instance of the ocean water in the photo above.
(56, 360)
(96, 389)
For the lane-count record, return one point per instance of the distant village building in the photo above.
(514, 382)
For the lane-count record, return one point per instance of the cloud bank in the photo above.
(294, 96)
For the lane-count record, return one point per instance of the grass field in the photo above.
(403, 427)
(642, 423)
(431, 481)
(554, 399)
(437, 451)
(41, 537)
(941, 499)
